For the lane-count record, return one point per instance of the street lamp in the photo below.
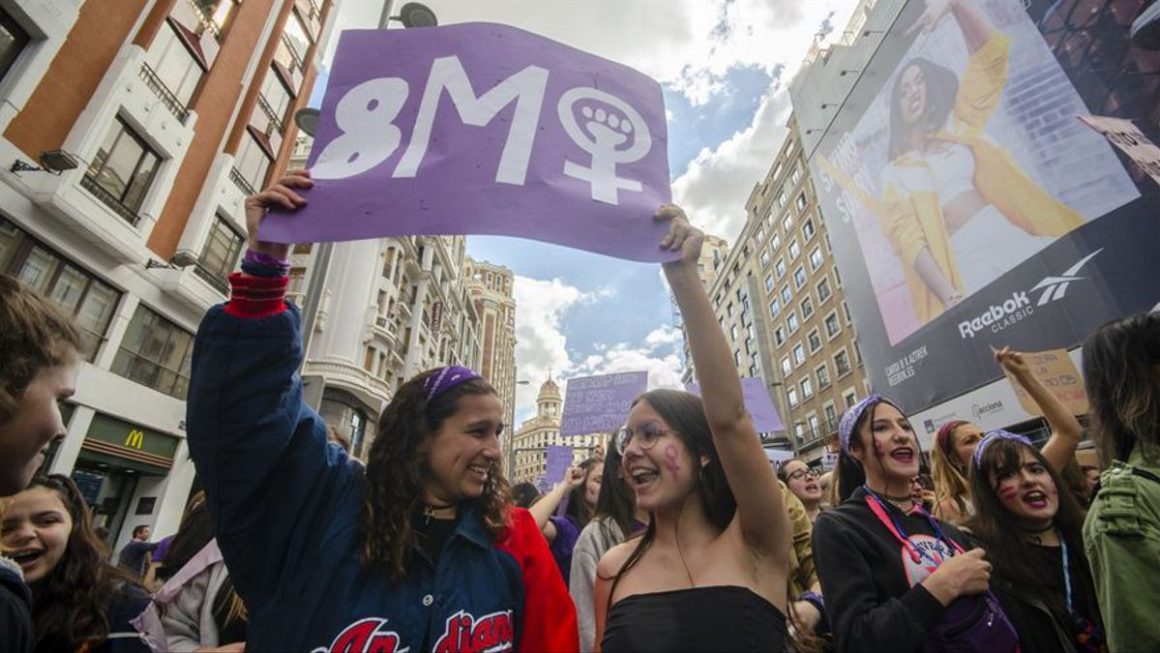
(413, 14)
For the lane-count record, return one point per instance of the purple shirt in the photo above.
(567, 532)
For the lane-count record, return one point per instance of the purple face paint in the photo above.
(672, 460)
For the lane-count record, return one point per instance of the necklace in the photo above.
(429, 509)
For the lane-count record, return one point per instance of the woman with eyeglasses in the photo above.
(803, 481)
(710, 570)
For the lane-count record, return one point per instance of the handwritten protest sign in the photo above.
(778, 456)
(1131, 141)
(600, 404)
(559, 459)
(757, 402)
(484, 129)
(1055, 369)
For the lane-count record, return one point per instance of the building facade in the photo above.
(132, 131)
(527, 459)
(779, 301)
(490, 288)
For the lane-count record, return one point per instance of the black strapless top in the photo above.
(716, 618)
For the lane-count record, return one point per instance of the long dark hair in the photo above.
(578, 508)
(1121, 370)
(70, 610)
(942, 85)
(1001, 532)
(685, 413)
(615, 501)
(397, 466)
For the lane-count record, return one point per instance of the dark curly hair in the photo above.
(396, 468)
(942, 85)
(1121, 369)
(71, 603)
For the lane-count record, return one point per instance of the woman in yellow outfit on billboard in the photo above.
(957, 208)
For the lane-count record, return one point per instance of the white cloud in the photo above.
(664, 335)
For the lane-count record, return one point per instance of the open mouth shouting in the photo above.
(26, 558)
(1035, 499)
(904, 455)
(642, 476)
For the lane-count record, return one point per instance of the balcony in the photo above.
(154, 83)
(108, 199)
(241, 183)
(271, 115)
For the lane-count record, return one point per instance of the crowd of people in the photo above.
(681, 536)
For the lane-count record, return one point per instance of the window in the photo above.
(733, 332)
(155, 352)
(779, 268)
(787, 223)
(220, 254)
(796, 174)
(846, 310)
(174, 67)
(816, 258)
(833, 328)
(808, 229)
(90, 301)
(799, 354)
(792, 393)
(792, 322)
(779, 335)
(807, 307)
(842, 363)
(765, 259)
(801, 203)
(274, 100)
(729, 309)
(774, 242)
(786, 295)
(13, 40)
(830, 412)
(737, 358)
(122, 171)
(252, 163)
(815, 428)
(794, 250)
(799, 430)
(786, 367)
(823, 289)
(799, 277)
(823, 372)
(814, 340)
(807, 388)
(781, 199)
(774, 308)
(759, 238)
(837, 278)
(769, 283)
(850, 397)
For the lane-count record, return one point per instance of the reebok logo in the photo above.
(1001, 316)
(1054, 288)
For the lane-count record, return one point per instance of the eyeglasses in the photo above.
(800, 474)
(647, 434)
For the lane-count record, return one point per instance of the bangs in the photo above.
(1003, 457)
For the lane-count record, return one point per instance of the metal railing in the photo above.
(207, 22)
(108, 199)
(241, 182)
(175, 106)
(269, 111)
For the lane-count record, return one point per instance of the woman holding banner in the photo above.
(710, 570)
(419, 551)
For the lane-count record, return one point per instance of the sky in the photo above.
(725, 67)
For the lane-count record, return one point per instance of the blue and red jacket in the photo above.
(287, 508)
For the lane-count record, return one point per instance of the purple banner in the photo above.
(600, 404)
(559, 459)
(757, 402)
(485, 129)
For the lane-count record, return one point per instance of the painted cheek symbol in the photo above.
(671, 460)
(1008, 492)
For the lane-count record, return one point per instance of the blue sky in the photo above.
(723, 65)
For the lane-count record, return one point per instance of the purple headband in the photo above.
(851, 417)
(998, 434)
(444, 378)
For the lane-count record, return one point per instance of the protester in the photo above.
(921, 491)
(420, 550)
(81, 602)
(894, 577)
(615, 518)
(524, 494)
(579, 489)
(830, 490)
(805, 484)
(1031, 527)
(197, 609)
(710, 571)
(956, 441)
(38, 349)
(136, 552)
(1121, 369)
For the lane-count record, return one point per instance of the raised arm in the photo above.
(972, 22)
(1065, 428)
(761, 512)
(543, 509)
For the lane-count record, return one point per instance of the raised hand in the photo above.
(682, 236)
(1012, 362)
(280, 193)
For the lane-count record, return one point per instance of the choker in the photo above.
(1041, 531)
(429, 509)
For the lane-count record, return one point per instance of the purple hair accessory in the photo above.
(445, 378)
(998, 434)
(851, 417)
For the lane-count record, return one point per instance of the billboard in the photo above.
(969, 205)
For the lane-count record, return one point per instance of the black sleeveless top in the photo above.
(716, 618)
